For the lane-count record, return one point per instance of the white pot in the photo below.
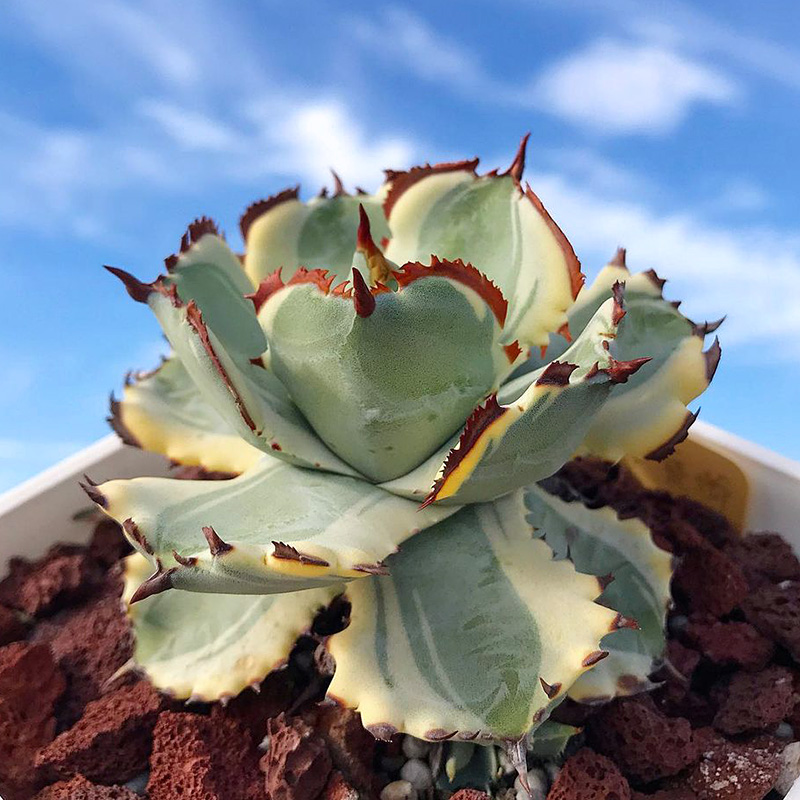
(42, 510)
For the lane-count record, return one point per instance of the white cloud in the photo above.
(311, 137)
(752, 274)
(189, 129)
(612, 86)
(408, 40)
(616, 87)
(681, 25)
(113, 35)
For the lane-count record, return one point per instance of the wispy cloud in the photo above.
(682, 25)
(750, 273)
(613, 86)
(171, 119)
(617, 87)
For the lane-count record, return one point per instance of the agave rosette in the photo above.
(389, 376)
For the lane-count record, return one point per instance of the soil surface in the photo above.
(723, 722)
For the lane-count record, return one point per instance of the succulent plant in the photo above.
(389, 377)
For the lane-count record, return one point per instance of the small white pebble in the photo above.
(552, 769)
(790, 768)
(138, 785)
(399, 790)
(505, 763)
(784, 731)
(417, 773)
(415, 748)
(537, 781)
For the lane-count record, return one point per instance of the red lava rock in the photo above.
(253, 711)
(709, 581)
(731, 643)
(643, 742)
(108, 544)
(713, 526)
(677, 536)
(80, 789)
(41, 587)
(337, 788)
(734, 771)
(775, 612)
(197, 758)
(568, 712)
(694, 706)
(90, 643)
(12, 628)
(469, 794)
(589, 776)
(683, 662)
(351, 746)
(30, 684)
(765, 558)
(297, 764)
(111, 742)
(755, 701)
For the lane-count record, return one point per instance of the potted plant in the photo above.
(389, 391)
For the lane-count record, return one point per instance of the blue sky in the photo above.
(669, 128)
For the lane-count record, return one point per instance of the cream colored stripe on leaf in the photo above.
(275, 528)
(458, 639)
(599, 543)
(320, 234)
(501, 230)
(165, 413)
(215, 645)
(540, 421)
(248, 397)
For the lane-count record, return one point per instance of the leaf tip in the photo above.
(363, 299)
(137, 289)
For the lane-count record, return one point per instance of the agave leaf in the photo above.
(283, 232)
(387, 377)
(625, 672)
(211, 646)
(648, 415)
(251, 400)
(163, 411)
(533, 426)
(599, 543)
(274, 528)
(549, 739)
(468, 766)
(495, 224)
(208, 272)
(475, 633)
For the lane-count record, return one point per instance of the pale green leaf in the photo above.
(647, 415)
(457, 640)
(164, 412)
(386, 390)
(549, 739)
(207, 271)
(539, 422)
(286, 233)
(211, 646)
(599, 543)
(250, 398)
(341, 528)
(492, 223)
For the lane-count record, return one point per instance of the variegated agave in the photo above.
(391, 376)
